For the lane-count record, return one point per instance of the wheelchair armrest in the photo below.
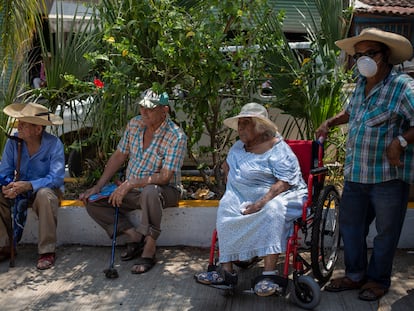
(319, 171)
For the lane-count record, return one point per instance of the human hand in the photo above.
(85, 195)
(118, 195)
(251, 208)
(22, 186)
(322, 131)
(9, 191)
(394, 151)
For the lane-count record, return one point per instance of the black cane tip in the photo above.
(111, 273)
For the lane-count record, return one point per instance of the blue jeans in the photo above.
(360, 204)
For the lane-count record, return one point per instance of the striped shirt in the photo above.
(375, 120)
(167, 150)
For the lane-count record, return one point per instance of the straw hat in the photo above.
(400, 47)
(251, 110)
(32, 113)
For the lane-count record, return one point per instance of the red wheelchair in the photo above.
(312, 249)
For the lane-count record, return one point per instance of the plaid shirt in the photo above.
(375, 120)
(166, 150)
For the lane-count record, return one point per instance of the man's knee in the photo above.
(48, 194)
(91, 209)
(47, 197)
(44, 192)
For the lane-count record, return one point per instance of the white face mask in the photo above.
(367, 66)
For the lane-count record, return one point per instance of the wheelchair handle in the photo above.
(319, 170)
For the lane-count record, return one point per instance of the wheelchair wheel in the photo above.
(325, 237)
(305, 292)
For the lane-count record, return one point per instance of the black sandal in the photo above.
(133, 250)
(145, 262)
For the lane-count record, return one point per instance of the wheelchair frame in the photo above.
(319, 218)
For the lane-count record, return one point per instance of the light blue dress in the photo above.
(250, 177)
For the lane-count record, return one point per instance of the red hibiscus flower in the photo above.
(98, 83)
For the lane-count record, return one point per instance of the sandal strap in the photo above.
(372, 291)
(133, 250)
(343, 283)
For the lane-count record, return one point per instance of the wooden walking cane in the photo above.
(17, 176)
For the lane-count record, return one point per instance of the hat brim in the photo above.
(400, 47)
(15, 111)
(233, 122)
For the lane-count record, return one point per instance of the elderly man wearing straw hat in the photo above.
(34, 161)
(379, 163)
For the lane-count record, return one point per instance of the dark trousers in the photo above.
(362, 203)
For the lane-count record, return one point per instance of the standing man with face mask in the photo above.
(379, 163)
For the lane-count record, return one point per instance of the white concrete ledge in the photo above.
(190, 226)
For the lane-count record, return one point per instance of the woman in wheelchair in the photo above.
(264, 194)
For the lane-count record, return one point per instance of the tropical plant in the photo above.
(18, 20)
(62, 53)
(203, 55)
(312, 86)
(309, 86)
(222, 73)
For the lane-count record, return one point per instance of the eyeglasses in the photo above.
(370, 54)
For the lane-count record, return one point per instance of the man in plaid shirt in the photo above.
(379, 162)
(154, 147)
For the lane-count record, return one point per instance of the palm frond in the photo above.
(18, 25)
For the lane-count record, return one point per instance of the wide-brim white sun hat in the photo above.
(251, 110)
(400, 47)
(32, 113)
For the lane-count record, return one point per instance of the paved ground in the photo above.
(78, 283)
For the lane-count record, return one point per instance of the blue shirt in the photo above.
(375, 120)
(44, 169)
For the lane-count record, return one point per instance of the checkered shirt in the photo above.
(375, 120)
(167, 150)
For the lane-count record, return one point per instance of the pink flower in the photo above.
(98, 83)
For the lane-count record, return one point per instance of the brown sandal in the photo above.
(143, 265)
(343, 283)
(133, 250)
(372, 291)
(46, 261)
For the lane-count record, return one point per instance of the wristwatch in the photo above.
(403, 142)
